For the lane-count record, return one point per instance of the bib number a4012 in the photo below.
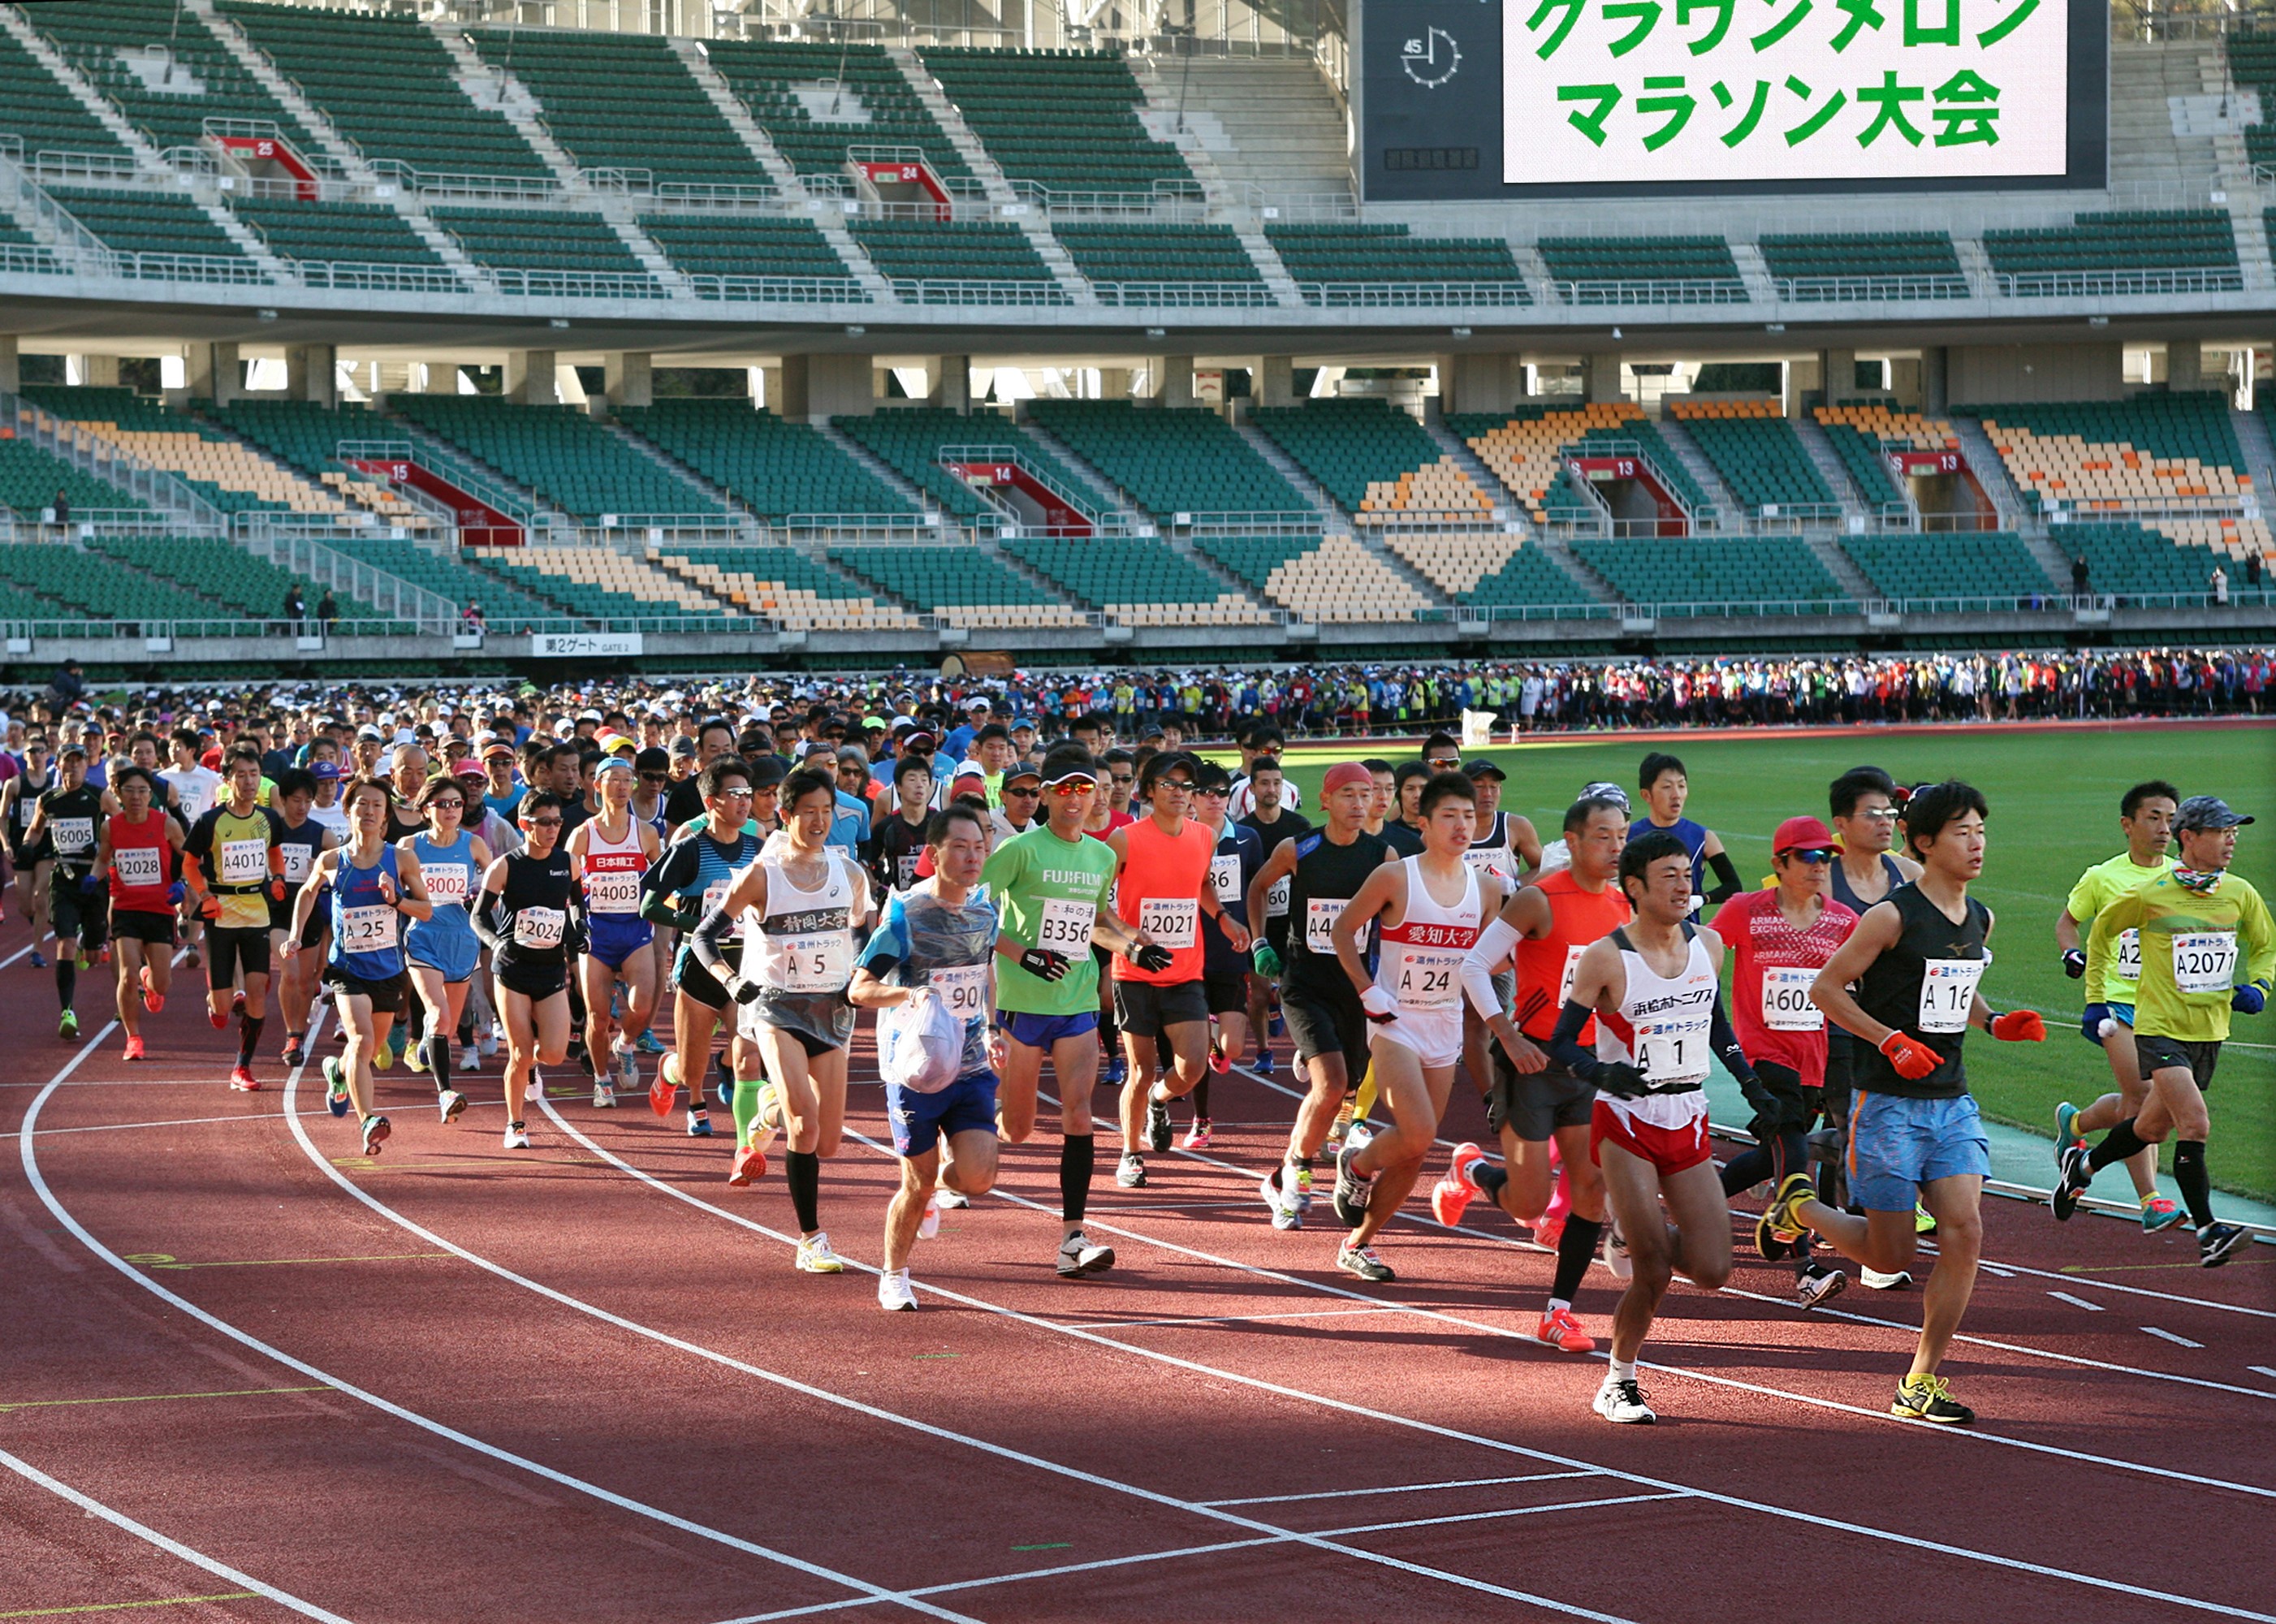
(1320, 916)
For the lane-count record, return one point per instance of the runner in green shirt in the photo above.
(2145, 817)
(2208, 948)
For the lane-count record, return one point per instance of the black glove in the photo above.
(1619, 1079)
(1152, 956)
(1043, 964)
(1496, 1114)
(742, 991)
(2073, 962)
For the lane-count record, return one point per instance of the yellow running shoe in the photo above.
(1928, 1398)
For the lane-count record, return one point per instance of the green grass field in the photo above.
(2054, 811)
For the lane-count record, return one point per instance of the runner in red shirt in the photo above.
(1779, 940)
(141, 850)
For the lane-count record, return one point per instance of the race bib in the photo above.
(1065, 926)
(2205, 960)
(822, 962)
(1488, 859)
(615, 890)
(1276, 898)
(1225, 878)
(2129, 956)
(540, 927)
(1427, 978)
(138, 865)
(1565, 981)
(446, 883)
(1947, 989)
(300, 861)
(905, 872)
(244, 862)
(1672, 1053)
(368, 929)
(74, 835)
(1170, 921)
(964, 988)
(1320, 916)
(1786, 1001)
(716, 893)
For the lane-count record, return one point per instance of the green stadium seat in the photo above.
(142, 221)
(30, 478)
(1160, 255)
(881, 107)
(354, 233)
(1065, 119)
(961, 584)
(2199, 239)
(1996, 566)
(937, 252)
(1337, 254)
(1926, 261)
(204, 81)
(773, 465)
(1330, 580)
(909, 440)
(1138, 581)
(1376, 460)
(1757, 454)
(787, 586)
(560, 452)
(1687, 577)
(1171, 461)
(1703, 263)
(733, 246)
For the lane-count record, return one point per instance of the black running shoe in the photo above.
(2071, 1183)
(1928, 1398)
(1159, 1134)
(2217, 1241)
(1353, 1189)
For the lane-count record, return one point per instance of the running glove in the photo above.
(1378, 1006)
(2073, 962)
(277, 891)
(1261, 955)
(1043, 964)
(176, 892)
(2089, 1024)
(2019, 1026)
(1620, 1078)
(742, 991)
(209, 906)
(1152, 956)
(90, 883)
(1912, 1059)
(2250, 1000)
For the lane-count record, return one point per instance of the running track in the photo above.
(248, 1375)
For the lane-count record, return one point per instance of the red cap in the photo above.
(1796, 834)
(1343, 773)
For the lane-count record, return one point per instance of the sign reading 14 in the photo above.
(1430, 61)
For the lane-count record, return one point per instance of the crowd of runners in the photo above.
(687, 908)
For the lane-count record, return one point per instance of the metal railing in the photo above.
(1080, 502)
(1229, 523)
(22, 187)
(95, 453)
(863, 529)
(1413, 295)
(1651, 290)
(65, 166)
(930, 291)
(1826, 290)
(780, 289)
(303, 554)
(87, 523)
(1182, 295)
(519, 283)
(1162, 200)
(1291, 208)
(451, 469)
(2115, 284)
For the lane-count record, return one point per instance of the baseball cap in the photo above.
(370, 730)
(323, 772)
(1799, 833)
(767, 772)
(466, 768)
(1481, 767)
(653, 759)
(1023, 770)
(612, 763)
(618, 744)
(1343, 773)
(2203, 812)
(496, 746)
(683, 746)
(1067, 763)
(1603, 789)
(920, 739)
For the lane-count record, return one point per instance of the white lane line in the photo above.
(1228, 1320)
(115, 1128)
(2081, 1302)
(38, 1181)
(1399, 1488)
(94, 1508)
(2262, 1369)
(2179, 1342)
(1000, 1451)
(1432, 1428)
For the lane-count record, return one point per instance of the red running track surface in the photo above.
(250, 1374)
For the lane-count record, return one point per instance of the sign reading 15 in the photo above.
(1430, 61)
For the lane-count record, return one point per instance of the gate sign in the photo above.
(1915, 463)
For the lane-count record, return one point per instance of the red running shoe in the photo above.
(750, 1163)
(153, 1001)
(665, 1089)
(1451, 1195)
(134, 1049)
(242, 1079)
(1559, 1330)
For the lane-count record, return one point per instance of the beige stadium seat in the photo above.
(1525, 454)
(2112, 477)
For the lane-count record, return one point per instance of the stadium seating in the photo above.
(143, 221)
(236, 580)
(1064, 119)
(909, 439)
(356, 233)
(788, 586)
(603, 584)
(911, 250)
(1756, 451)
(1331, 579)
(1528, 578)
(624, 101)
(1524, 447)
(1347, 252)
(775, 467)
(36, 109)
(204, 81)
(961, 584)
(2133, 559)
(1692, 576)
(1917, 255)
(1171, 461)
(306, 437)
(538, 240)
(881, 108)
(1138, 581)
(1856, 434)
(1376, 460)
(2252, 63)
(741, 245)
(1455, 564)
(2122, 240)
(1159, 253)
(2235, 538)
(30, 477)
(560, 452)
(2153, 454)
(385, 83)
(1966, 565)
(1705, 261)
(105, 590)
(233, 477)
(506, 606)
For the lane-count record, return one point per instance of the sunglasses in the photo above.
(1073, 786)
(1182, 785)
(1445, 763)
(1027, 790)
(1123, 777)
(446, 805)
(656, 778)
(1813, 854)
(733, 794)
(1219, 793)
(545, 823)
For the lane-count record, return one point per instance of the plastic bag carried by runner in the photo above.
(920, 1044)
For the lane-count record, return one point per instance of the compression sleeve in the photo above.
(1564, 1045)
(705, 941)
(660, 886)
(1496, 943)
(485, 919)
(1724, 1041)
(1727, 877)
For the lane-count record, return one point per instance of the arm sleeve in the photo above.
(660, 886)
(1564, 1045)
(704, 941)
(485, 919)
(2260, 934)
(889, 944)
(1727, 877)
(1497, 942)
(199, 842)
(1724, 1041)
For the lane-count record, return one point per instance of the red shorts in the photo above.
(1669, 1149)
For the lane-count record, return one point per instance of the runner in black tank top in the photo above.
(531, 916)
(1900, 986)
(1863, 803)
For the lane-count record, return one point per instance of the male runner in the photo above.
(69, 814)
(1507, 846)
(1274, 819)
(609, 853)
(2145, 818)
(897, 839)
(234, 864)
(686, 883)
(530, 915)
(937, 940)
(1240, 853)
(1427, 909)
(302, 839)
(1917, 960)
(139, 849)
(1665, 788)
(19, 803)
(2197, 924)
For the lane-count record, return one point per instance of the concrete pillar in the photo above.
(1114, 383)
(1272, 380)
(1837, 372)
(1600, 377)
(817, 386)
(1905, 381)
(12, 367)
(1173, 380)
(629, 377)
(312, 373)
(2184, 365)
(101, 370)
(952, 382)
(770, 386)
(1478, 383)
(1935, 394)
(529, 378)
(217, 364)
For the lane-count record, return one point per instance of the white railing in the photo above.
(709, 196)
(1171, 295)
(780, 289)
(858, 529)
(1414, 295)
(97, 455)
(1163, 200)
(953, 458)
(1299, 208)
(930, 291)
(2116, 284)
(291, 547)
(17, 184)
(1651, 290)
(1824, 290)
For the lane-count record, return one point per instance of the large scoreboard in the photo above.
(1518, 99)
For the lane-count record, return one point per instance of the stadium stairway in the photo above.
(1991, 470)
(1695, 463)
(1285, 126)
(893, 478)
(2259, 445)
(2145, 150)
(746, 521)
(1332, 516)
(1162, 99)
(388, 424)
(1853, 581)
(1830, 467)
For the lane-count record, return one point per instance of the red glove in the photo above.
(2020, 1026)
(1913, 1059)
(276, 890)
(209, 905)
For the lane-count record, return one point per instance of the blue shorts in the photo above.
(920, 1119)
(1897, 1144)
(456, 954)
(1041, 1031)
(615, 938)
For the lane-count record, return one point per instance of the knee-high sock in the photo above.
(439, 1057)
(2119, 1143)
(1575, 1248)
(1747, 1169)
(1078, 1160)
(2197, 1184)
(747, 1110)
(802, 1170)
(248, 1036)
(66, 978)
(1365, 1102)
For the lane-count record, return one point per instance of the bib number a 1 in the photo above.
(540, 928)
(1170, 921)
(1427, 978)
(1065, 926)
(964, 988)
(1948, 992)
(138, 865)
(2205, 960)
(244, 862)
(368, 928)
(1786, 1001)
(1675, 1053)
(1320, 916)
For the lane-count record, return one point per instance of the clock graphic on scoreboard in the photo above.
(1432, 59)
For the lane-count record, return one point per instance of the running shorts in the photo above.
(616, 938)
(1669, 1149)
(922, 1120)
(228, 946)
(1898, 1143)
(1226, 991)
(1435, 1035)
(1144, 1009)
(1034, 1031)
(386, 996)
(535, 982)
(1327, 1023)
(1535, 1104)
(136, 924)
(2167, 1054)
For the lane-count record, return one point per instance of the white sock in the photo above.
(1556, 1303)
(1624, 1370)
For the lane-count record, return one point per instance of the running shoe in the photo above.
(489, 1041)
(470, 1059)
(1197, 1137)
(1276, 1026)
(1874, 1279)
(1818, 1286)
(375, 1130)
(1780, 1227)
(156, 1001)
(951, 1200)
(649, 1043)
(2160, 1212)
(533, 1090)
(1622, 1401)
(39, 960)
(414, 1056)
(1281, 1203)
(628, 1071)
(1160, 1136)
(67, 1027)
(1114, 1071)
(2076, 1175)
(134, 1049)
(242, 1081)
(750, 1163)
(1451, 1195)
(604, 1096)
(1550, 1232)
(1219, 1061)
(815, 1258)
(1263, 1067)
(1615, 1249)
(1923, 1220)
(2217, 1241)
(1928, 1398)
(237, 1003)
(517, 1136)
(295, 1057)
(699, 1123)
(1130, 1171)
(894, 1295)
(665, 1089)
(196, 960)
(1353, 1189)
(383, 1056)
(1363, 1262)
(1080, 1255)
(451, 1105)
(929, 1225)
(2066, 1133)
(1559, 1330)
(1304, 1190)
(335, 1086)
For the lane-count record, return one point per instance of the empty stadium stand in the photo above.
(1857, 433)
(1172, 462)
(1524, 448)
(538, 240)
(365, 233)
(1137, 581)
(1701, 265)
(77, 583)
(605, 585)
(2136, 560)
(162, 67)
(773, 465)
(1757, 452)
(233, 477)
(1995, 565)
(1528, 578)
(236, 582)
(38, 110)
(1869, 265)
(504, 606)
(1331, 579)
(2153, 454)
(1380, 464)
(30, 477)
(747, 246)
(2201, 239)
(147, 220)
(1337, 254)
(910, 251)
(855, 96)
(1693, 576)
(787, 586)
(961, 584)
(1159, 254)
(1065, 120)
(561, 453)
(909, 440)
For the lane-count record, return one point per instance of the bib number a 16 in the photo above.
(1948, 992)
(1786, 1001)
(2205, 960)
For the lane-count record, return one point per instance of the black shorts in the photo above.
(228, 946)
(1226, 991)
(29, 857)
(386, 996)
(1536, 1104)
(535, 982)
(74, 915)
(313, 933)
(136, 924)
(689, 976)
(1798, 1104)
(1329, 1023)
(2166, 1054)
(1145, 1010)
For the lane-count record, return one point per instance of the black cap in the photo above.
(1480, 767)
(653, 759)
(767, 772)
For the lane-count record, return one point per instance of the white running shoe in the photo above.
(628, 1068)
(533, 1090)
(604, 1096)
(951, 1200)
(517, 1136)
(1615, 1251)
(815, 1258)
(1820, 1285)
(1285, 1210)
(1877, 1281)
(894, 1293)
(928, 1227)
(452, 1104)
(1623, 1402)
(470, 1059)
(1078, 1257)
